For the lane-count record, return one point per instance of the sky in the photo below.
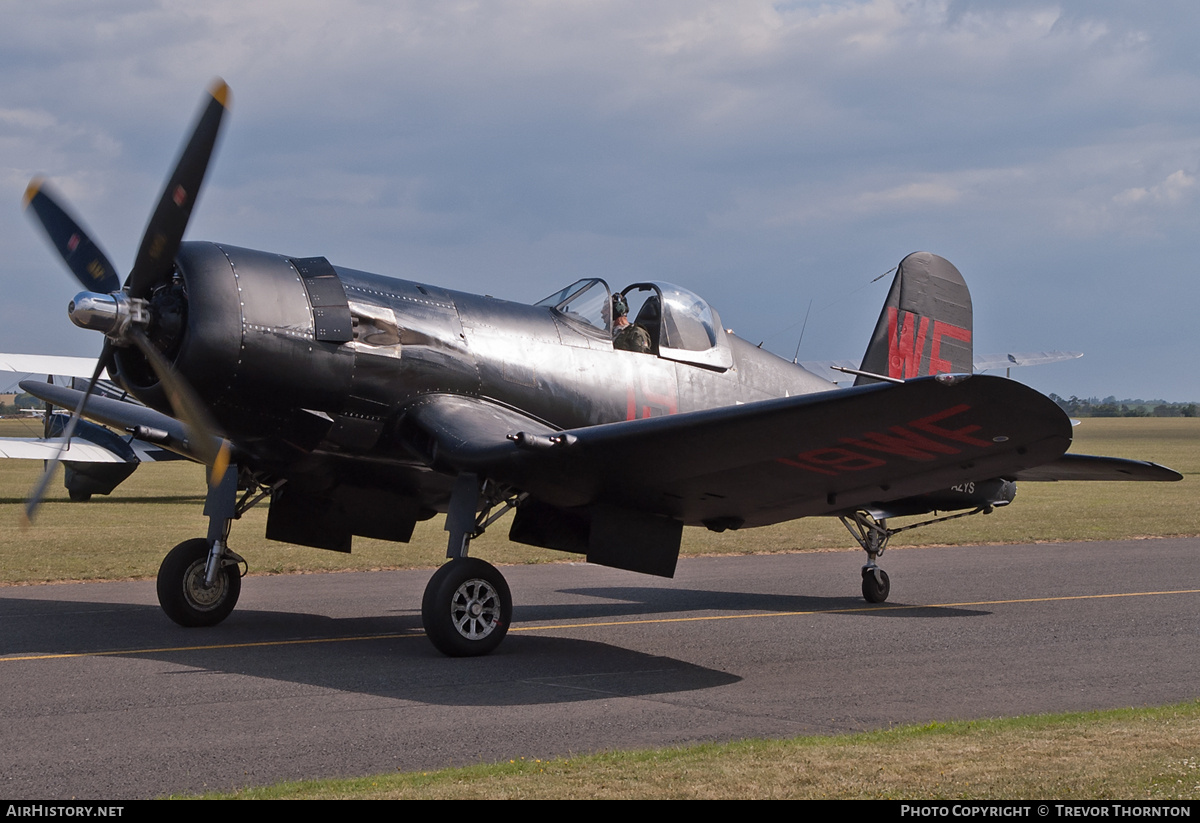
(768, 156)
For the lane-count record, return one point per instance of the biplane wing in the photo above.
(58, 365)
(153, 432)
(80, 450)
(97, 459)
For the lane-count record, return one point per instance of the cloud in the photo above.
(1174, 190)
(695, 140)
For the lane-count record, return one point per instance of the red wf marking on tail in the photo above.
(906, 344)
(922, 440)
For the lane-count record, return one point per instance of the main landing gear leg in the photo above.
(873, 536)
(467, 605)
(200, 579)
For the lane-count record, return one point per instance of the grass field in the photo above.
(1128, 754)
(127, 534)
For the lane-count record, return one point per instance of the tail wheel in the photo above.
(182, 592)
(875, 584)
(466, 608)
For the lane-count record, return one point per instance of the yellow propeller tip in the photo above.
(220, 465)
(31, 191)
(220, 91)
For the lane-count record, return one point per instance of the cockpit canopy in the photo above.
(584, 301)
(681, 324)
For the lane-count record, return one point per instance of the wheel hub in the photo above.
(475, 609)
(199, 595)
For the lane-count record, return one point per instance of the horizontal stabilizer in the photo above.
(1089, 467)
(984, 362)
(831, 369)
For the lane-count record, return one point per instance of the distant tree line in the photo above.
(1112, 407)
(21, 401)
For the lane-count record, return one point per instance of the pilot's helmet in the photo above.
(620, 307)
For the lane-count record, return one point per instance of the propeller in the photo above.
(39, 491)
(83, 257)
(203, 440)
(160, 242)
(123, 315)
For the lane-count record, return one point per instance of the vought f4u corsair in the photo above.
(360, 404)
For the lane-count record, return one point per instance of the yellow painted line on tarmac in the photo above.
(852, 610)
(602, 624)
(117, 652)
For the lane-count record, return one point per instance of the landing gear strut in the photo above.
(873, 536)
(467, 606)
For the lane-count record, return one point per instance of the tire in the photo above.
(79, 496)
(875, 590)
(181, 591)
(466, 608)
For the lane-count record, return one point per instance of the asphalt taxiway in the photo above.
(329, 674)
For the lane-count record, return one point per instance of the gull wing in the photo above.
(764, 462)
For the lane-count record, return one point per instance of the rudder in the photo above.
(925, 326)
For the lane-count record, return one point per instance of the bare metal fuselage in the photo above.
(252, 345)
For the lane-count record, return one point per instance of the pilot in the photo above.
(629, 336)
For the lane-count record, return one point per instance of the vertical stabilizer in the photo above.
(925, 326)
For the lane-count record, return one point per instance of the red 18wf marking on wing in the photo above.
(929, 440)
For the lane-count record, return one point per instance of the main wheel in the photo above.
(466, 608)
(181, 590)
(875, 589)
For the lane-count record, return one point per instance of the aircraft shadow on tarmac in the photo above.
(49, 626)
(386, 655)
(383, 656)
(629, 601)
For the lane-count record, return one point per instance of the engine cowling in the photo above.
(257, 335)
